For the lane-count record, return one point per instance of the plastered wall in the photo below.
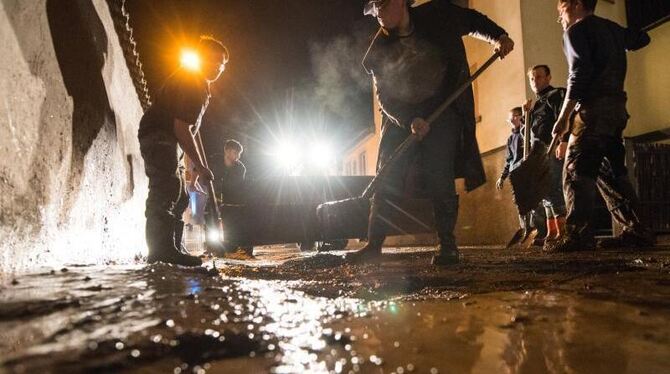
(72, 184)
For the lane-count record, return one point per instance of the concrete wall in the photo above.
(72, 182)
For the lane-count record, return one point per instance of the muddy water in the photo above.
(168, 319)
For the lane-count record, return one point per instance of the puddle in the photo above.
(170, 319)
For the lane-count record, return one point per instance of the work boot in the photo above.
(372, 251)
(573, 240)
(446, 213)
(638, 238)
(240, 253)
(173, 256)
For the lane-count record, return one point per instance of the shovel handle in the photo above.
(454, 95)
(552, 145)
(413, 139)
(210, 184)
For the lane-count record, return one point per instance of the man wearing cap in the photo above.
(416, 59)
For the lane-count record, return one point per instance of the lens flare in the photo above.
(190, 60)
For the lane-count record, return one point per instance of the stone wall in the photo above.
(72, 182)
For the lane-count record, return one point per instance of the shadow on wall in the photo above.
(80, 44)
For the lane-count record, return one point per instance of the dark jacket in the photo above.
(414, 84)
(514, 152)
(545, 112)
(231, 183)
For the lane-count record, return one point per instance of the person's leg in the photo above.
(621, 199)
(164, 191)
(437, 170)
(585, 154)
(389, 189)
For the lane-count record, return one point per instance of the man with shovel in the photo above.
(596, 52)
(416, 60)
(543, 114)
(167, 126)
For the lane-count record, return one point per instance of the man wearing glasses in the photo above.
(416, 59)
(169, 124)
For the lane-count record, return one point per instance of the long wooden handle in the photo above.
(526, 134)
(413, 139)
(210, 185)
(454, 95)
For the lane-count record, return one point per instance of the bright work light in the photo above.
(321, 155)
(190, 60)
(286, 155)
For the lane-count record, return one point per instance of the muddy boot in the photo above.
(574, 240)
(173, 256)
(372, 251)
(446, 213)
(635, 238)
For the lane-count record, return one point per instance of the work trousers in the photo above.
(428, 169)
(596, 160)
(168, 198)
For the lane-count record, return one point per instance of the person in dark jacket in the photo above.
(233, 173)
(514, 145)
(416, 59)
(596, 52)
(166, 127)
(514, 153)
(543, 114)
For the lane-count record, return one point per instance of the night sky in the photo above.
(295, 68)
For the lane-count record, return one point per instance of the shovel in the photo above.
(332, 213)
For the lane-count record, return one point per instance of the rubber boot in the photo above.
(446, 213)
(560, 227)
(178, 237)
(552, 229)
(160, 240)
(372, 251)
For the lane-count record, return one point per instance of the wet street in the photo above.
(289, 312)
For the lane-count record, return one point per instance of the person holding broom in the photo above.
(416, 59)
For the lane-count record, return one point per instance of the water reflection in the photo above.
(168, 319)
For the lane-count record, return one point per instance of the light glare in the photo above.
(190, 60)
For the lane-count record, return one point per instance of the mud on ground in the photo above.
(625, 275)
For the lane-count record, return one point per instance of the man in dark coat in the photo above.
(596, 52)
(416, 60)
